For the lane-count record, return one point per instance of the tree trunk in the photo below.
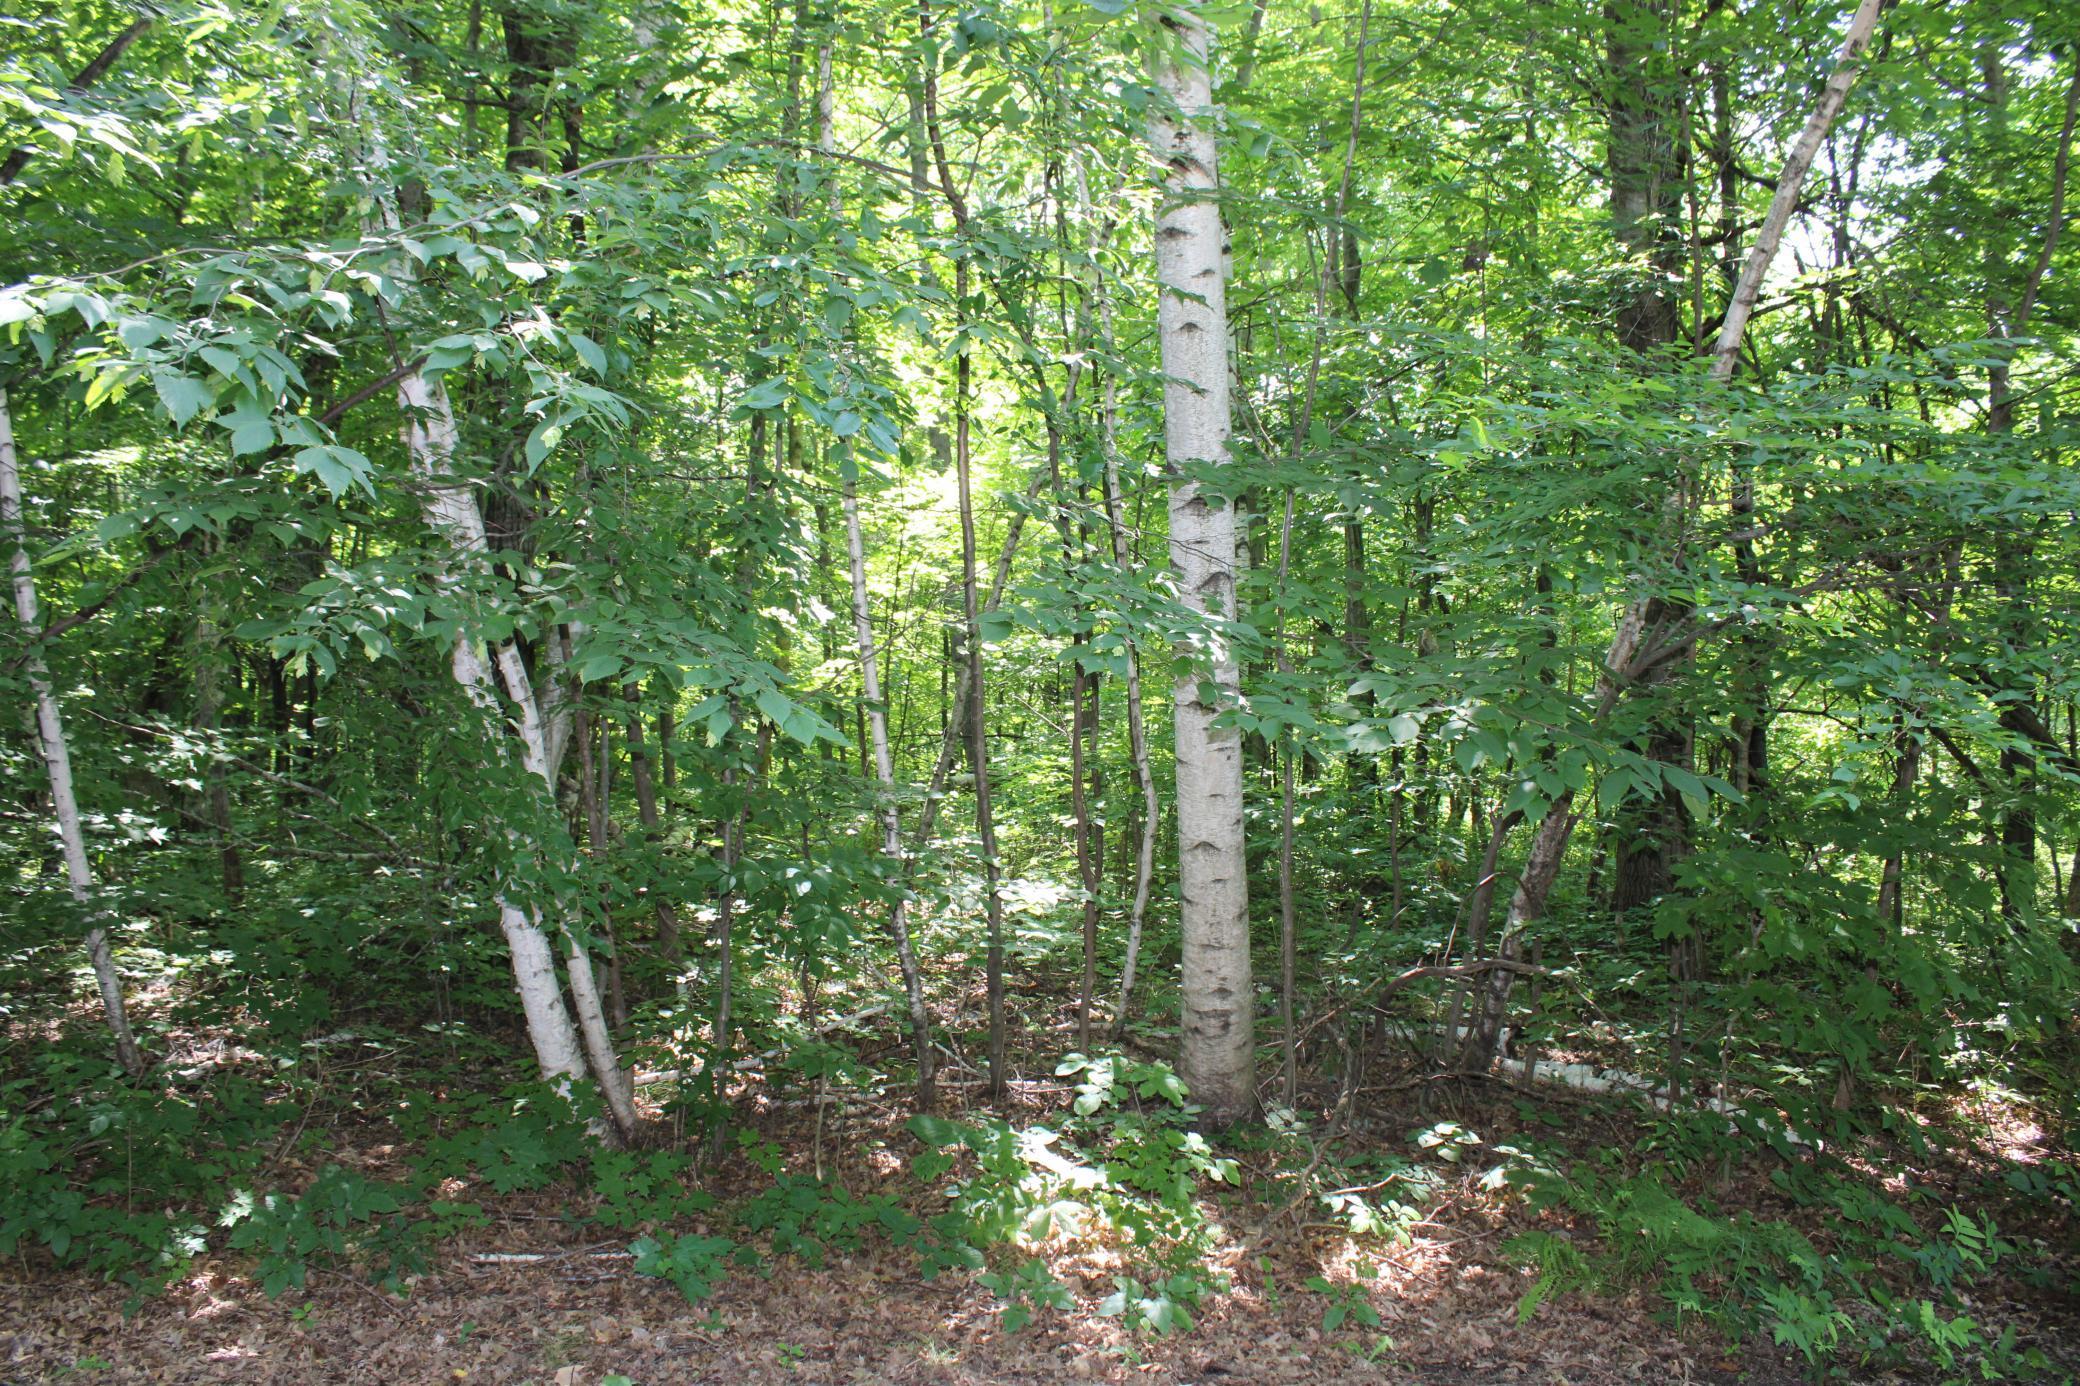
(1137, 724)
(1646, 178)
(451, 511)
(1217, 1056)
(210, 660)
(876, 714)
(639, 773)
(57, 754)
(978, 727)
(1549, 844)
(871, 705)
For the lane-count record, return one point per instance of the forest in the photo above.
(1116, 690)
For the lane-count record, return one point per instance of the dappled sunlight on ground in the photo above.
(1442, 1301)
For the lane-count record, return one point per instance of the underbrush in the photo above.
(1115, 1180)
(1851, 1277)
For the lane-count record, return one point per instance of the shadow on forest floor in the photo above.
(568, 1309)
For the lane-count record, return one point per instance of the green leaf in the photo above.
(252, 435)
(591, 353)
(338, 469)
(766, 395)
(776, 708)
(183, 395)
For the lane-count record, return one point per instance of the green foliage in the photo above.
(1025, 1291)
(340, 1215)
(693, 1264)
(1746, 1273)
(808, 1218)
(515, 1142)
(1811, 863)
(1350, 1302)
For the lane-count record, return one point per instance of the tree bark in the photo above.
(641, 776)
(1646, 163)
(871, 704)
(57, 753)
(451, 511)
(1217, 1057)
(1549, 844)
(978, 703)
(1137, 723)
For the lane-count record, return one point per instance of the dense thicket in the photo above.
(580, 539)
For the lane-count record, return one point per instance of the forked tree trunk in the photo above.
(57, 755)
(1217, 1057)
(1549, 844)
(451, 511)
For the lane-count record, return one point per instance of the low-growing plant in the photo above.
(694, 1264)
(341, 1215)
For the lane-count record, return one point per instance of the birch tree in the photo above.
(565, 1039)
(57, 755)
(1217, 1049)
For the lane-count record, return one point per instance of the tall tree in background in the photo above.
(1647, 169)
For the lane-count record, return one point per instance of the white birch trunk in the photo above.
(57, 755)
(451, 511)
(1790, 184)
(885, 778)
(1217, 1057)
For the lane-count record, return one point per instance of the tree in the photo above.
(1217, 1050)
(57, 753)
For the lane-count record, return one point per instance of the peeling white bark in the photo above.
(1217, 1057)
(561, 1046)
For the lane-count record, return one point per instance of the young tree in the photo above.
(57, 754)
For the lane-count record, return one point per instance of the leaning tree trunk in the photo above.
(57, 755)
(1217, 1055)
(1636, 642)
(561, 1044)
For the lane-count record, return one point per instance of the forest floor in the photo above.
(1447, 1298)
